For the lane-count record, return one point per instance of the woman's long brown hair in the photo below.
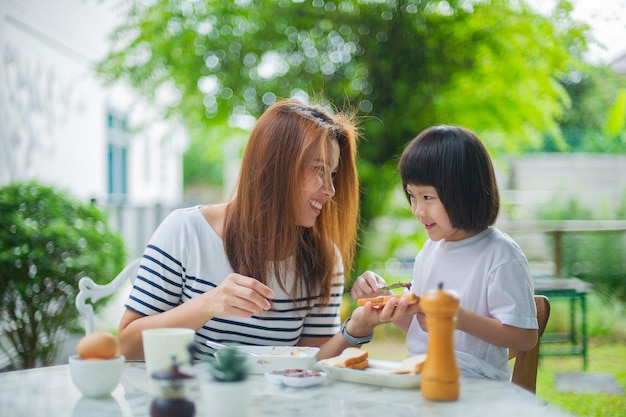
(260, 229)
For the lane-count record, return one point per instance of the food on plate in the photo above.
(98, 345)
(290, 351)
(297, 373)
(352, 357)
(359, 365)
(412, 365)
(379, 302)
(296, 377)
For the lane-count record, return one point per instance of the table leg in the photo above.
(572, 319)
(583, 306)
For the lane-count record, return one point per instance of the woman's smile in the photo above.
(316, 204)
(318, 184)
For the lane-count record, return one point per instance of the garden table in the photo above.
(575, 292)
(49, 391)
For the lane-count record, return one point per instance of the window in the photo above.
(117, 154)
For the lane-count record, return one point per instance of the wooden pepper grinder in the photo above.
(440, 375)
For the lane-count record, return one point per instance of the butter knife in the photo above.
(393, 286)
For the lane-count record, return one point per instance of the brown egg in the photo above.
(99, 345)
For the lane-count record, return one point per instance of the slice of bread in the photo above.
(348, 358)
(411, 365)
(379, 302)
(360, 365)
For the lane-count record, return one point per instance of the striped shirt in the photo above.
(186, 258)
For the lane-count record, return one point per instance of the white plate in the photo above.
(377, 373)
(278, 358)
(294, 380)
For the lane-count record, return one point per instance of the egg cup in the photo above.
(96, 377)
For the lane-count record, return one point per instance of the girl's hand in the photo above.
(238, 296)
(396, 309)
(366, 285)
(421, 319)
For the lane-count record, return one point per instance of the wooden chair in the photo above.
(89, 290)
(526, 362)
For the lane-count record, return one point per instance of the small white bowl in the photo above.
(275, 377)
(307, 380)
(296, 377)
(96, 377)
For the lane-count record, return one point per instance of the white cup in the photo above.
(160, 345)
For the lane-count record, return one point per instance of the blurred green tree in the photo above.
(493, 66)
(48, 242)
(595, 120)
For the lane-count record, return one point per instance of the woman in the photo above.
(266, 268)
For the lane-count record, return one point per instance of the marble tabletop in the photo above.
(49, 391)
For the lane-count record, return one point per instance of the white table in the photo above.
(49, 392)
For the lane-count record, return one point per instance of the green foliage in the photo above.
(228, 365)
(404, 65)
(397, 234)
(595, 120)
(558, 209)
(49, 241)
(202, 165)
(204, 160)
(617, 115)
(594, 256)
(606, 318)
(604, 359)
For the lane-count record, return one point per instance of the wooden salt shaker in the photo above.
(440, 375)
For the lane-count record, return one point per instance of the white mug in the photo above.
(160, 345)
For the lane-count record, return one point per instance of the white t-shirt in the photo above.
(186, 258)
(491, 275)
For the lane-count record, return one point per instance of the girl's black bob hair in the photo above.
(454, 161)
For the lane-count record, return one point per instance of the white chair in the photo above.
(89, 290)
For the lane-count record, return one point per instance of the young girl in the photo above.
(266, 268)
(449, 180)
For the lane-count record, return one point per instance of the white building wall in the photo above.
(53, 109)
(534, 181)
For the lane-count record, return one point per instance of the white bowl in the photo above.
(278, 358)
(96, 377)
(299, 378)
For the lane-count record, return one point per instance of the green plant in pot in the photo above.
(228, 365)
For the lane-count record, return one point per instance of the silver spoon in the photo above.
(218, 346)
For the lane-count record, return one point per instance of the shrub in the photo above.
(593, 256)
(48, 242)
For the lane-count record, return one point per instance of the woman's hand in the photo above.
(364, 319)
(366, 285)
(238, 296)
